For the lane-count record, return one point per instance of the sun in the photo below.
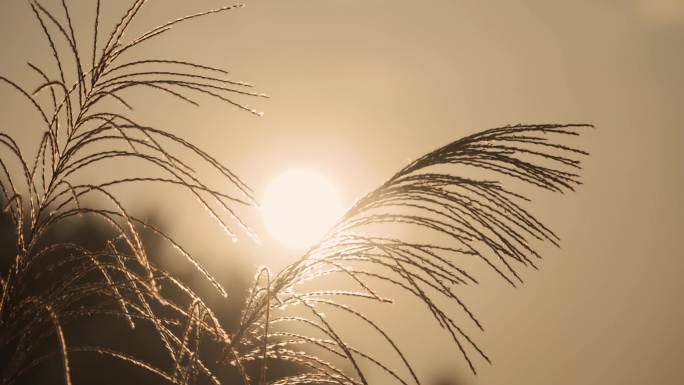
(299, 207)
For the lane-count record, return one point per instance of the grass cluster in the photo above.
(50, 284)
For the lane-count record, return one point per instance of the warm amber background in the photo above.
(359, 87)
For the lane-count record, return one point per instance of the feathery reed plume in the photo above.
(478, 218)
(50, 284)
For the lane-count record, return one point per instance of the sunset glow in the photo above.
(299, 207)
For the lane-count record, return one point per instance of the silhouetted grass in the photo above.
(283, 318)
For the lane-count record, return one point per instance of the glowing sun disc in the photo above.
(299, 207)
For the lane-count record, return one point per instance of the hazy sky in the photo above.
(360, 87)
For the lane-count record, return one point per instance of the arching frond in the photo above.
(477, 216)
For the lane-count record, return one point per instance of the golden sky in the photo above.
(360, 87)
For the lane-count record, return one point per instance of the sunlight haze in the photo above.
(299, 207)
(358, 87)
